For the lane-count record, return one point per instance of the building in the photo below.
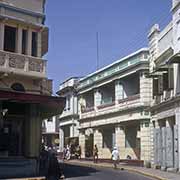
(114, 108)
(164, 47)
(69, 119)
(50, 132)
(25, 90)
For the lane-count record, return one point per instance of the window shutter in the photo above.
(171, 78)
(155, 87)
(44, 41)
(165, 81)
(160, 85)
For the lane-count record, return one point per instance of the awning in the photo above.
(49, 105)
(174, 59)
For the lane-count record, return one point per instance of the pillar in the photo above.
(1, 36)
(145, 89)
(33, 131)
(29, 43)
(118, 91)
(61, 139)
(82, 143)
(97, 98)
(145, 140)
(176, 42)
(177, 121)
(39, 53)
(98, 140)
(169, 144)
(120, 140)
(152, 145)
(153, 45)
(19, 40)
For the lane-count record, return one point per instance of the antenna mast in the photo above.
(97, 46)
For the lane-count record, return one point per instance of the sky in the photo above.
(122, 27)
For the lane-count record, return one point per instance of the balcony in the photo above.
(167, 95)
(22, 65)
(87, 109)
(112, 107)
(106, 102)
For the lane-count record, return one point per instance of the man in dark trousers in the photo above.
(54, 171)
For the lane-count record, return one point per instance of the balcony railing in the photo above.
(123, 104)
(87, 109)
(22, 64)
(130, 98)
(167, 95)
(107, 104)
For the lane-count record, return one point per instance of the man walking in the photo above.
(95, 154)
(115, 157)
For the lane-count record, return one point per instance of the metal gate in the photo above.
(166, 147)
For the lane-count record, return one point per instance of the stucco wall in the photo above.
(33, 5)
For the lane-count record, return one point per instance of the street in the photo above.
(75, 172)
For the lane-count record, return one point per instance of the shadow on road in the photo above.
(77, 171)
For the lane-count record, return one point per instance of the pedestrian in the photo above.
(115, 157)
(78, 152)
(43, 161)
(68, 153)
(54, 171)
(95, 154)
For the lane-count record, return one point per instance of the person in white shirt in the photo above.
(115, 157)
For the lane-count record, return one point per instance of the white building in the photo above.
(68, 120)
(164, 47)
(114, 108)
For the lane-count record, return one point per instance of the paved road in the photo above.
(75, 172)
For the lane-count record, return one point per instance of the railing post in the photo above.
(6, 65)
(26, 66)
(1, 36)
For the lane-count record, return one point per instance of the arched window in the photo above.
(18, 87)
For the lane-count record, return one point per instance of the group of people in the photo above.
(70, 151)
(114, 155)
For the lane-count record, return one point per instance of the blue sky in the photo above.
(122, 26)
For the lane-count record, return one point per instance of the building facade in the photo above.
(69, 119)
(25, 90)
(164, 47)
(114, 108)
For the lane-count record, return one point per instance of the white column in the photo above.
(1, 36)
(19, 40)
(82, 143)
(61, 139)
(29, 44)
(98, 140)
(120, 140)
(118, 91)
(145, 140)
(145, 89)
(177, 119)
(39, 44)
(97, 98)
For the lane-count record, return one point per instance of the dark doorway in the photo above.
(10, 39)
(89, 145)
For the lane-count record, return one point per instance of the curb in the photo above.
(124, 167)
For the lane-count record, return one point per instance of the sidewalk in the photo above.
(161, 175)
